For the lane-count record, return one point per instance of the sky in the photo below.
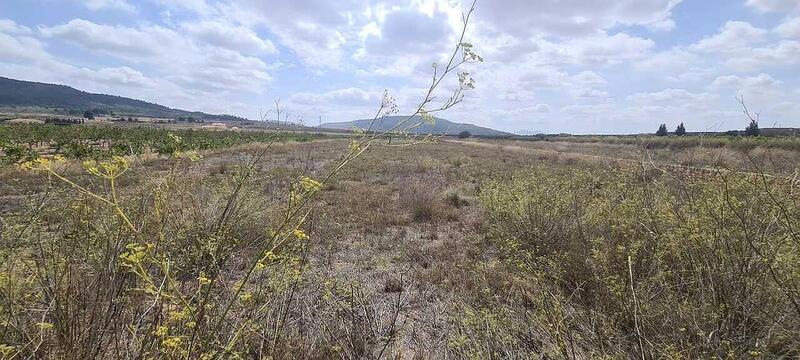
(551, 66)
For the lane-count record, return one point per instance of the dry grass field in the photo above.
(444, 249)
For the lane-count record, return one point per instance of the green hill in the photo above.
(16, 93)
(440, 126)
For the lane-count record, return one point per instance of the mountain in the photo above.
(440, 126)
(18, 93)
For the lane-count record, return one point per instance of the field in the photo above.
(315, 247)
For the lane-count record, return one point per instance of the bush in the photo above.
(752, 129)
(464, 135)
(653, 265)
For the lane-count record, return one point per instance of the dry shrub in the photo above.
(640, 265)
(424, 204)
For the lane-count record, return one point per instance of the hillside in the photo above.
(19, 93)
(440, 126)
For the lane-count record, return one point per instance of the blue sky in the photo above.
(578, 66)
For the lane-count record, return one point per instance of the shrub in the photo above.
(652, 265)
(752, 129)
(420, 201)
(464, 135)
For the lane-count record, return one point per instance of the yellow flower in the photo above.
(309, 184)
(161, 331)
(300, 234)
(172, 342)
(203, 279)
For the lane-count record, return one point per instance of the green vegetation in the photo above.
(662, 130)
(445, 249)
(26, 142)
(680, 130)
(791, 143)
(752, 129)
(640, 264)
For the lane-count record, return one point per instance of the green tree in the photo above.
(662, 130)
(88, 115)
(680, 130)
(752, 129)
(464, 135)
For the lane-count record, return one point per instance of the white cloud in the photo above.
(346, 97)
(408, 31)
(116, 40)
(735, 35)
(315, 30)
(572, 18)
(95, 5)
(762, 81)
(229, 36)
(10, 27)
(589, 78)
(671, 97)
(774, 5)
(786, 52)
(175, 55)
(790, 28)
(598, 49)
(200, 7)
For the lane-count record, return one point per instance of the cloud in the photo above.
(408, 31)
(790, 28)
(589, 78)
(229, 36)
(10, 27)
(201, 7)
(542, 108)
(595, 50)
(762, 81)
(188, 60)
(774, 5)
(96, 5)
(315, 30)
(572, 18)
(116, 40)
(346, 97)
(671, 97)
(786, 52)
(735, 35)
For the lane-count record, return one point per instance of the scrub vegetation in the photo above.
(198, 245)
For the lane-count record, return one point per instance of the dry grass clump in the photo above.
(425, 204)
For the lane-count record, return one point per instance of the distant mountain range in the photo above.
(440, 126)
(17, 93)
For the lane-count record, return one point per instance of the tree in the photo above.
(464, 135)
(662, 130)
(752, 129)
(88, 115)
(681, 130)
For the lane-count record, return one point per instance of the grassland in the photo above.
(458, 249)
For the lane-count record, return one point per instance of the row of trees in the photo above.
(751, 130)
(679, 131)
